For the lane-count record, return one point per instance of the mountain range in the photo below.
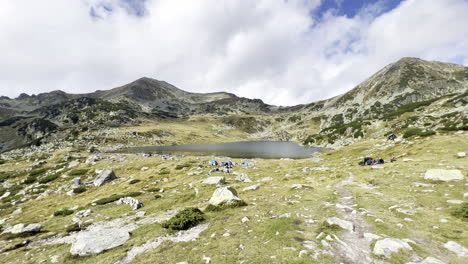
(31, 119)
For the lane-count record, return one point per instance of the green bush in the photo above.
(109, 199)
(157, 196)
(133, 194)
(78, 172)
(215, 208)
(63, 212)
(5, 206)
(164, 172)
(2, 162)
(153, 190)
(80, 189)
(134, 181)
(49, 178)
(461, 212)
(30, 179)
(181, 166)
(185, 219)
(73, 228)
(37, 172)
(411, 132)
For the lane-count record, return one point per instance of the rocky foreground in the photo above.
(69, 205)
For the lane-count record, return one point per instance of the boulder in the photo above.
(103, 177)
(23, 229)
(134, 203)
(214, 180)
(334, 221)
(94, 242)
(456, 248)
(428, 260)
(73, 164)
(224, 195)
(443, 175)
(462, 154)
(387, 246)
(242, 177)
(252, 188)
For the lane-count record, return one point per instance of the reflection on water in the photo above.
(248, 150)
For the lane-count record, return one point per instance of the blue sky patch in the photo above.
(351, 8)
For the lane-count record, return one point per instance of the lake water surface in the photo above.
(246, 150)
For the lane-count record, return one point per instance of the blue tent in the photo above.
(213, 163)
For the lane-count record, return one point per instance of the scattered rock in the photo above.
(334, 221)
(242, 177)
(73, 164)
(462, 154)
(387, 246)
(252, 188)
(84, 213)
(245, 219)
(214, 180)
(299, 186)
(103, 177)
(94, 242)
(456, 248)
(224, 195)
(370, 236)
(443, 175)
(134, 203)
(23, 229)
(455, 201)
(265, 179)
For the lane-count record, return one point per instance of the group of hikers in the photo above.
(371, 161)
(226, 165)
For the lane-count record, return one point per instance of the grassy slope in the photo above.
(274, 198)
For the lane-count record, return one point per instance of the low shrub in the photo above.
(412, 132)
(461, 212)
(73, 228)
(133, 194)
(157, 196)
(30, 179)
(49, 178)
(63, 212)
(153, 190)
(134, 181)
(185, 219)
(80, 189)
(164, 172)
(37, 172)
(215, 208)
(181, 166)
(109, 199)
(78, 172)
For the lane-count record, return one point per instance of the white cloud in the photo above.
(273, 50)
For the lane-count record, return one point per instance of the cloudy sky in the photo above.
(284, 52)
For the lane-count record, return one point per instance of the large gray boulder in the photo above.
(103, 177)
(134, 203)
(456, 248)
(224, 195)
(387, 246)
(94, 242)
(214, 180)
(334, 221)
(443, 175)
(23, 229)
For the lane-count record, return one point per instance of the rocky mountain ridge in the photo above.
(408, 83)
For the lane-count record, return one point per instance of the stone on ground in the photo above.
(103, 177)
(428, 260)
(23, 228)
(252, 188)
(134, 203)
(214, 180)
(443, 175)
(334, 221)
(94, 242)
(224, 195)
(456, 248)
(387, 246)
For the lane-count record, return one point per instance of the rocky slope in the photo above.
(403, 86)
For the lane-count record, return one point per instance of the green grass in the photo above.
(461, 212)
(182, 166)
(185, 219)
(417, 132)
(78, 172)
(134, 181)
(80, 189)
(109, 199)
(49, 178)
(63, 212)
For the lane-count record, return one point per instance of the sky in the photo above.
(285, 52)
